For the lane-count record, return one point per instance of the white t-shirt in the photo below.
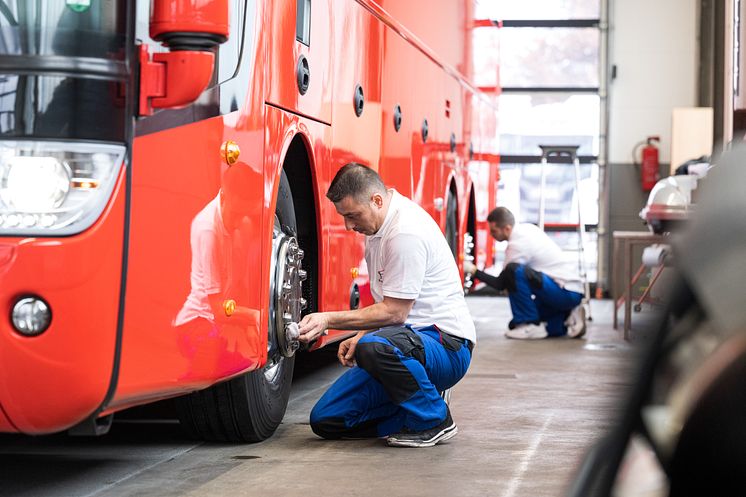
(529, 245)
(409, 258)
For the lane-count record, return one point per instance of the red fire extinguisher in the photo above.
(650, 167)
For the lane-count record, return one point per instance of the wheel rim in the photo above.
(286, 301)
(469, 257)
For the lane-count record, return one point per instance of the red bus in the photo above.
(162, 178)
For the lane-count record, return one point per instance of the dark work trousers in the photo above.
(396, 384)
(533, 301)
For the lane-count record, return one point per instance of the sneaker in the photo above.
(575, 322)
(446, 396)
(444, 431)
(527, 331)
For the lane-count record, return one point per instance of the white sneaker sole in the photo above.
(525, 336)
(572, 321)
(442, 436)
(576, 334)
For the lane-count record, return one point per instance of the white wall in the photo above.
(654, 46)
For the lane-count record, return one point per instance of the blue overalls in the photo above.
(396, 384)
(550, 302)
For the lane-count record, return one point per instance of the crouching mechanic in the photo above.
(423, 334)
(542, 285)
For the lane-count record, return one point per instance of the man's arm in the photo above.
(499, 282)
(496, 282)
(390, 311)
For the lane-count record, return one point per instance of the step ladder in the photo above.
(568, 152)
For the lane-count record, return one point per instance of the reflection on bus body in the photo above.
(209, 338)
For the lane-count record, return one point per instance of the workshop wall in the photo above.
(654, 48)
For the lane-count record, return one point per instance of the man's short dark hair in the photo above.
(356, 181)
(501, 217)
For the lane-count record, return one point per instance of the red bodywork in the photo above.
(398, 56)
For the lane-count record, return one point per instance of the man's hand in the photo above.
(312, 326)
(470, 267)
(346, 352)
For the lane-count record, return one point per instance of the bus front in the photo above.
(65, 122)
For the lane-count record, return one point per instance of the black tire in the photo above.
(250, 407)
(452, 223)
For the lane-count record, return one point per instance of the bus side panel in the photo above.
(57, 379)
(442, 25)
(354, 138)
(428, 156)
(485, 173)
(177, 178)
(5, 425)
(284, 52)
(396, 161)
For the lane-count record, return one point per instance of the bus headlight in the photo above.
(34, 184)
(55, 188)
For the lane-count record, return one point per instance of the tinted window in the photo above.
(60, 107)
(82, 28)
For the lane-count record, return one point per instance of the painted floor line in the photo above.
(523, 467)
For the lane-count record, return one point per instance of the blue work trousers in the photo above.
(533, 303)
(396, 384)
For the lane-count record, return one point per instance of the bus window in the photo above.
(230, 52)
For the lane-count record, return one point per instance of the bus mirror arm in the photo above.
(172, 79)
(191, 30)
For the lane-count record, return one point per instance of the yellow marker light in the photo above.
(354, 272)
(230, 151)
(84, 184)
(229, 306)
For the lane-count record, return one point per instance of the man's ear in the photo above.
(377, 199)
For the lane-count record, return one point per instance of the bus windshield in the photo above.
(71, 28)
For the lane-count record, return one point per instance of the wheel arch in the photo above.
(297, 162)
(471, 213)
(451, 187)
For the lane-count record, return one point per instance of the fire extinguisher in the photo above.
(649, 166)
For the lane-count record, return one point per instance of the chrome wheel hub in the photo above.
(468, 257)
(287, 299)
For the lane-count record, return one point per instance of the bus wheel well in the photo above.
(297, 166)
(452, 220)
(471, 219)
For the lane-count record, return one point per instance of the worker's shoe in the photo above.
(575, 322)
(528, 331)
(427, 438)
(446, 396)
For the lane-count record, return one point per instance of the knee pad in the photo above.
(535, 278)
(366, 353)
(329, 429)
(507, 276)
(514, 270)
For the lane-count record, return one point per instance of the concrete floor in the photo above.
(526, 412)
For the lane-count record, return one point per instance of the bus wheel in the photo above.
(250, 407)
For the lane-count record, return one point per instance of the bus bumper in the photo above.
(54, 380)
